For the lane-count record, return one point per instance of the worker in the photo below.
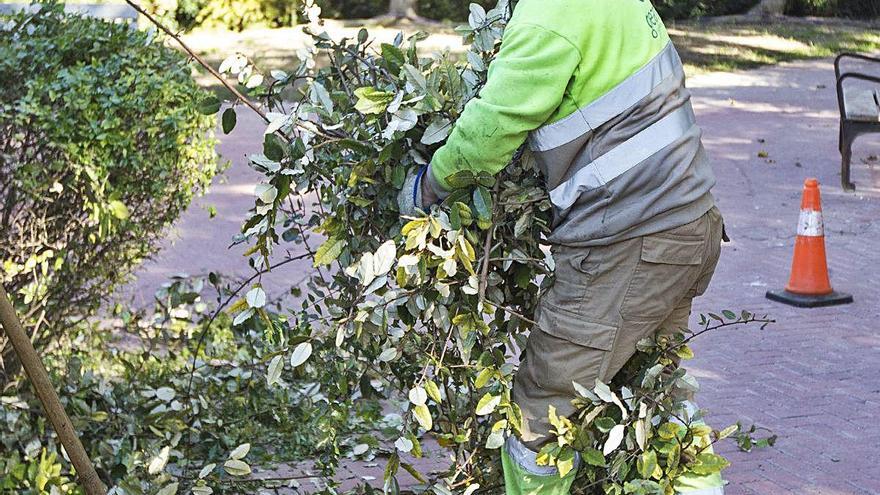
(598, 90)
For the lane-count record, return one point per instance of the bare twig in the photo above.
(195, 56)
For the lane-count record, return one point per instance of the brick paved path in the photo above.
(814, 378)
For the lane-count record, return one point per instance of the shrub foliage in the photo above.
(402, 343)
(101, 147)
(428, 313)
(863, 9)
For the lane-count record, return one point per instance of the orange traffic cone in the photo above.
(809, 285)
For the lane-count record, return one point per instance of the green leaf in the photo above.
(393, 56)
(495, 440)
(604, 424)
(355, 145)
(483, 203)
(329, 251)
(483, 377)
(209, 105)
(169, 489)
(461, 179)
(228, 120)
(593, 457)
(272, 148)
(437, 131)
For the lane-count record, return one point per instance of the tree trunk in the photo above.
(403, 9)
(769, 7)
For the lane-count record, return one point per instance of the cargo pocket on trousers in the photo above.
(571, 277)
(667, 270)
(567, 348)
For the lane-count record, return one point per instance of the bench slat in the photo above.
(862, 105)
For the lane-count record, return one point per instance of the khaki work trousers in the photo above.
(602, 302)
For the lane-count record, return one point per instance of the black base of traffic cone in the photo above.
(802, 301)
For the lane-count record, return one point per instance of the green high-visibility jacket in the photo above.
(598, 89)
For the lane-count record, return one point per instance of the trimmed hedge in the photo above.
(686, 9)
(861, 9)
(102, 146)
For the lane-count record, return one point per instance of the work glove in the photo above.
(413, 196)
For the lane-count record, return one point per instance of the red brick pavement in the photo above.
(813, 377)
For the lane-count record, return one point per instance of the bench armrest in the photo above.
(857, 56)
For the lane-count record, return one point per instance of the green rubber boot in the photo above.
(522, 475)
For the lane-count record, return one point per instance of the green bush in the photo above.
(229, 14)
(102, 146)
(685, 9)
(864, 9)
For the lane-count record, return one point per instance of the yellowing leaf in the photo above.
(565, 461)
(423, 416)
(488, 404)
(118, 209)
(483, 377)
(372, 101)
(646, 464)
(274, 372)
(433, 391)
(241, 451)
(237, 467)
(684, 352)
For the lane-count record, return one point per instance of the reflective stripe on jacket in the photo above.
(598, 89)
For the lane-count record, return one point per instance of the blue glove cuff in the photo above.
(418, 184)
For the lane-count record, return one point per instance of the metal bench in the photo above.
(111, 12)
(859, 110)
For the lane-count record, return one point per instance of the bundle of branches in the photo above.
(428, 313)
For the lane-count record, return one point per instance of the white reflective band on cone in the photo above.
(624, 157)
(811, 224)
(528, 459)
